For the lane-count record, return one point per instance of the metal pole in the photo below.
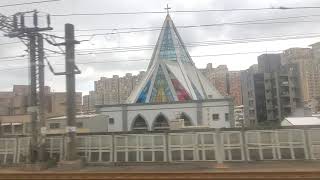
(70, 85)
(33, 98)
(42, 105)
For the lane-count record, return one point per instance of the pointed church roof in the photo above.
(171, 74)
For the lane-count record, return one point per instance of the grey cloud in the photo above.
(154, 20)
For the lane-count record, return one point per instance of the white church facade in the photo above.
(173, 89)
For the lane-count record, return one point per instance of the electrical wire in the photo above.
(16, 42)
(27, 3)
(196, 26)
(137, 60)
(137, 28)
(190, 44)
(185, 11)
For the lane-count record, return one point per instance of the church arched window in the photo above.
(139, 123)
(186, 119)
(160, 123)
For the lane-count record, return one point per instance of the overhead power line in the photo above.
(140, 28)
(17, 42)
(151, 29)
(189, 44)
(27, 3)
(137, 60)
(186, 11)
(196, 26)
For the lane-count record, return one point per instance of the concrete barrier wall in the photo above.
(204, 145)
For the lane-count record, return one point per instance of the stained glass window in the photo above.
(143, 95)
(182, 51)
(161, 91)
(180, 91)
(167, 50)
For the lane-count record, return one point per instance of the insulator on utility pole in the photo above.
(35, 19)
(15, 22)
(48, 20)
(22, 25)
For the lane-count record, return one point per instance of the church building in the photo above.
(173, 90)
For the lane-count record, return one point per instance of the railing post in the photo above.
(307, 144)
(219, 150)
(167, 146)
(16, 153)
(113, 152)
(244, 145)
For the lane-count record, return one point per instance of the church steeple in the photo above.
(172, 75)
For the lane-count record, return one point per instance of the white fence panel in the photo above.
(8, 150)
(140, 148)
(291, 144)
(232, 145)
(314, 143)
(95, 148)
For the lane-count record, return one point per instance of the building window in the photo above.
(226, 116)
(140, 124)
(54, 125)
(215, 117)
(111, 120)
(79, 124)
(160, 123)
(186, 119)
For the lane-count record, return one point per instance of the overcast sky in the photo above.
(92, 72)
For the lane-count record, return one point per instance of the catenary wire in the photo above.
(186, 11)
(27, 3)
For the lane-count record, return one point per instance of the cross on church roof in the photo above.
(167, 8)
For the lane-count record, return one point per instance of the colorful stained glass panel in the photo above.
(161, 91)
(167, 50)
(143, 95)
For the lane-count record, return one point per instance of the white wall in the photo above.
(221, 108)
(150, 111)
(116, 114)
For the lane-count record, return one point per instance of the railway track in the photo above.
(161, 176)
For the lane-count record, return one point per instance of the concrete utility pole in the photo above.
(70, 85)
(70, 71)
(33, 97)
(42, 102)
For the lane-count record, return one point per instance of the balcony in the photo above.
(285, 95)
(284, 83)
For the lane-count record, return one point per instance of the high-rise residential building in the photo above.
(85, 103)
(303, 58)
(115, 90)
(307, 61)
(316, 75)
(268, 63)
(234, 87)
(89, 102)
(248, 91)
(271, 91)
(239, 116)
(6, 106)
(282, 90)
(15, 102)
(226, 82)
(57, 105)
(218, 77)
